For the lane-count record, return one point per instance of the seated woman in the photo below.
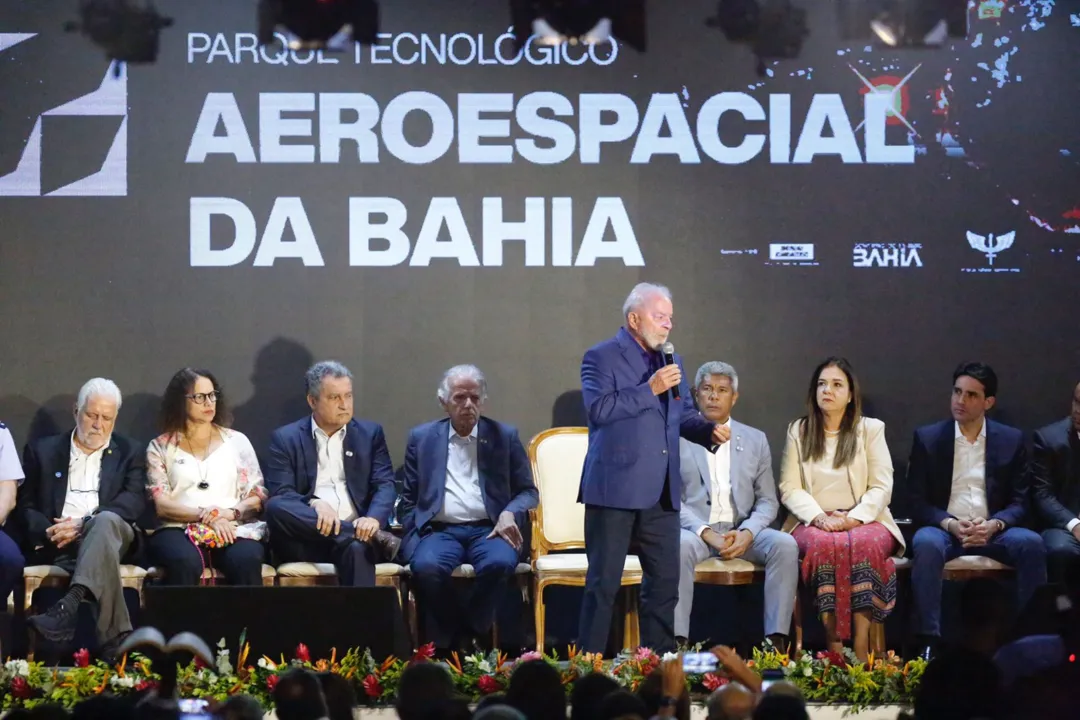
(836, 480)
(207, 487)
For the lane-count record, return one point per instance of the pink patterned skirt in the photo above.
(849, 571)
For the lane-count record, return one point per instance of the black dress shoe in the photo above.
(110, 651)
(58, 623)
(387, 543)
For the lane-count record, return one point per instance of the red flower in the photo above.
(82, 658)
(835, 659)
(487, 684)
(271, 682)
(20, 689)
(302, 653)
(712, 681)
(146, 685)
(199, 664)
(424, 652)
(372, 688)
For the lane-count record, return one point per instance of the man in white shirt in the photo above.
(969, 487)
(728, 503)
(83, 493)
(11, 477)
(331, 483)
(1055, 479)
(467, 491)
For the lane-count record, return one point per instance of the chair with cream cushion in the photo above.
(558, 523)
(269, 575)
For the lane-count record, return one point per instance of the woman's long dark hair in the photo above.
(812, 427)
(173, 415)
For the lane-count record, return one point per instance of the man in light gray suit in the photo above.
(728, 502)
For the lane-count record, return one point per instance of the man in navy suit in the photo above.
(83, 493)
(467, 489)
(968, 485)
(1055, 479)
(631, 483)
(331, 483)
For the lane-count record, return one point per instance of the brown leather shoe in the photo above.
(387, 543)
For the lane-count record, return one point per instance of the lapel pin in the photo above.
(108, 452)
(59, 474)
(348, 453)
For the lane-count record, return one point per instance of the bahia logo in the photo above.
(892, 255)
(108, 100)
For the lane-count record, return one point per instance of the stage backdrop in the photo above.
(441, 199)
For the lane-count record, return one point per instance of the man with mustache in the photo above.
(637, 408)
(83, 493)
(467, 491)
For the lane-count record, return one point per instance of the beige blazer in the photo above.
(870, 474)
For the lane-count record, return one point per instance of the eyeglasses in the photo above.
(203, 398)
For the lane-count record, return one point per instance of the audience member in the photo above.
(497, 711)
(959, 685)
(589, 693)
(780, 707)
(492, 699)
(298, 696)
(339, 694)
(424, 689)
(664, 692)
(245, 707)
(622, 704)
(536, 690)
(731, 702)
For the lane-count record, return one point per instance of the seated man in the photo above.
(11, 476)
(467, 486)
(1055, 478)
(728, 502)
(331, 483)
(968, 485)
(83, 493)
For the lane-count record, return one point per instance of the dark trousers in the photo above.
(12, 563)
(294, 537)
(436, 555)
(172, 550)
(608, 534)
(1017, 547)
(1062, 557)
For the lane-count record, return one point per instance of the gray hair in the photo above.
(98, 386)
(318, 372)
(469, 372)
(716, 367)
(641, 293)
(715, 703)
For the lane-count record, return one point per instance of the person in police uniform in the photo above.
(11, 477)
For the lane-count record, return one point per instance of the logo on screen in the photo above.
(791, 251)
(991, 246)
(891, 255)
(108, 100)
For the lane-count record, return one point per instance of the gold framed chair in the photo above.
(558, 524)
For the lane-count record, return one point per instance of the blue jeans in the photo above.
(1017, 547)
(434, 559)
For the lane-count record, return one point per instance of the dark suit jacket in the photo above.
(1053, 484)
(122, 487)
(505, 476)
(633, 434)
(930, 469)
(293, 466)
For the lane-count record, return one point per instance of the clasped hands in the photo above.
(835, 521)
(328, 523)
(974, 533)
(223, 521)
(64, 532)
(731, 544)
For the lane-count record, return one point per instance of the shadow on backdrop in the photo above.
(569, 410)
(279, 395)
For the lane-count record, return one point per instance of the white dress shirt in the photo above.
(84, 478)
(330, 482)
(463, 501)
(10, 468)
(720, 510)
(967, 500)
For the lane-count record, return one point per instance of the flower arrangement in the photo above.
(824, 677)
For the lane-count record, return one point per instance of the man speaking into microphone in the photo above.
(637, 407)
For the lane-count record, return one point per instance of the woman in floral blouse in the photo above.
(207, 487)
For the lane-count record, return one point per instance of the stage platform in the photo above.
(697, 712)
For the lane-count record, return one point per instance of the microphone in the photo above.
(669, 359)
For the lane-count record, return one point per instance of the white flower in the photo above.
(807, 671)
(224, 667)
(483, 666)
(18, 667)
(126, 682)
(266, 664)
(670, 656)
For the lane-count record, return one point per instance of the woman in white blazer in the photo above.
(836, 482)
